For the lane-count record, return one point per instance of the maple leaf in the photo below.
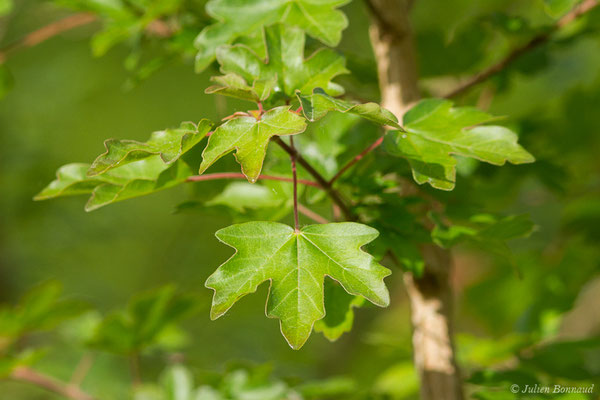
(134, 179)
(435, 130)
(296, 263)
(318, 18)
(249, 77)
(319, 103)
(170, 144)
(339, 308)
(250, 137)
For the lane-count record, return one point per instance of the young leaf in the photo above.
(131, 180)
(485, 231)
(319, 103)
(251, 78)
(435, 130)
(296, 263)
(249, 138)
(170, 144)
(142, 323)
(40, 309)
(339, 307)
(318, 18)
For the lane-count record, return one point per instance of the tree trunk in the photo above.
(430, 295)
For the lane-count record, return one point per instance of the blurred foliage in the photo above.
(59, 103)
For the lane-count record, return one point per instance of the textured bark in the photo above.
(431, 294)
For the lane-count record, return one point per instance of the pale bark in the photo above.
(430, 295)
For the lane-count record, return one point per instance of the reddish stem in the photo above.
(46, 32)
(356, 159)
(312, 215)
(295, 179)
(25, 374)
(238, 175)
(335, 196)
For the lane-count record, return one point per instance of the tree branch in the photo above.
(156, 27)
(46, 32)
(335, 196)
(533, 43)
(356, 159)
(431, 294)
(24, 374)
(312, 215)
(82, 368)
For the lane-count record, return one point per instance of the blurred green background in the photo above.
(65, 102)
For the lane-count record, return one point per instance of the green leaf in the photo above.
(242, 196)
(435, 130)
(252, 384)
(574, 360)
(42, 308)
(332, 388)
(400, 381)
(339, 307)
(296, 263)
(235, 86)
(485, 231)
(557, 8)
(318, 18)
(146, 318)
(249, 138)
(5, 8)
(319, 103)
(135, 179)
(27, 357)
(284, 69)
(170, 144)
(208, 393)
(178, 383)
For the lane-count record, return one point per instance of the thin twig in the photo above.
(157, 28)
(335, 196)
(293, 156)
(82, 368)
(134, 369)
(50, 384)
(46, 32)
(532, 44)
(239, 175)
(312, 215)
(356, 159)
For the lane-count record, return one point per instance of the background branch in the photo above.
(533, 43)
(157, 28)
(28, 375)
(430, 295)
(46, 32)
